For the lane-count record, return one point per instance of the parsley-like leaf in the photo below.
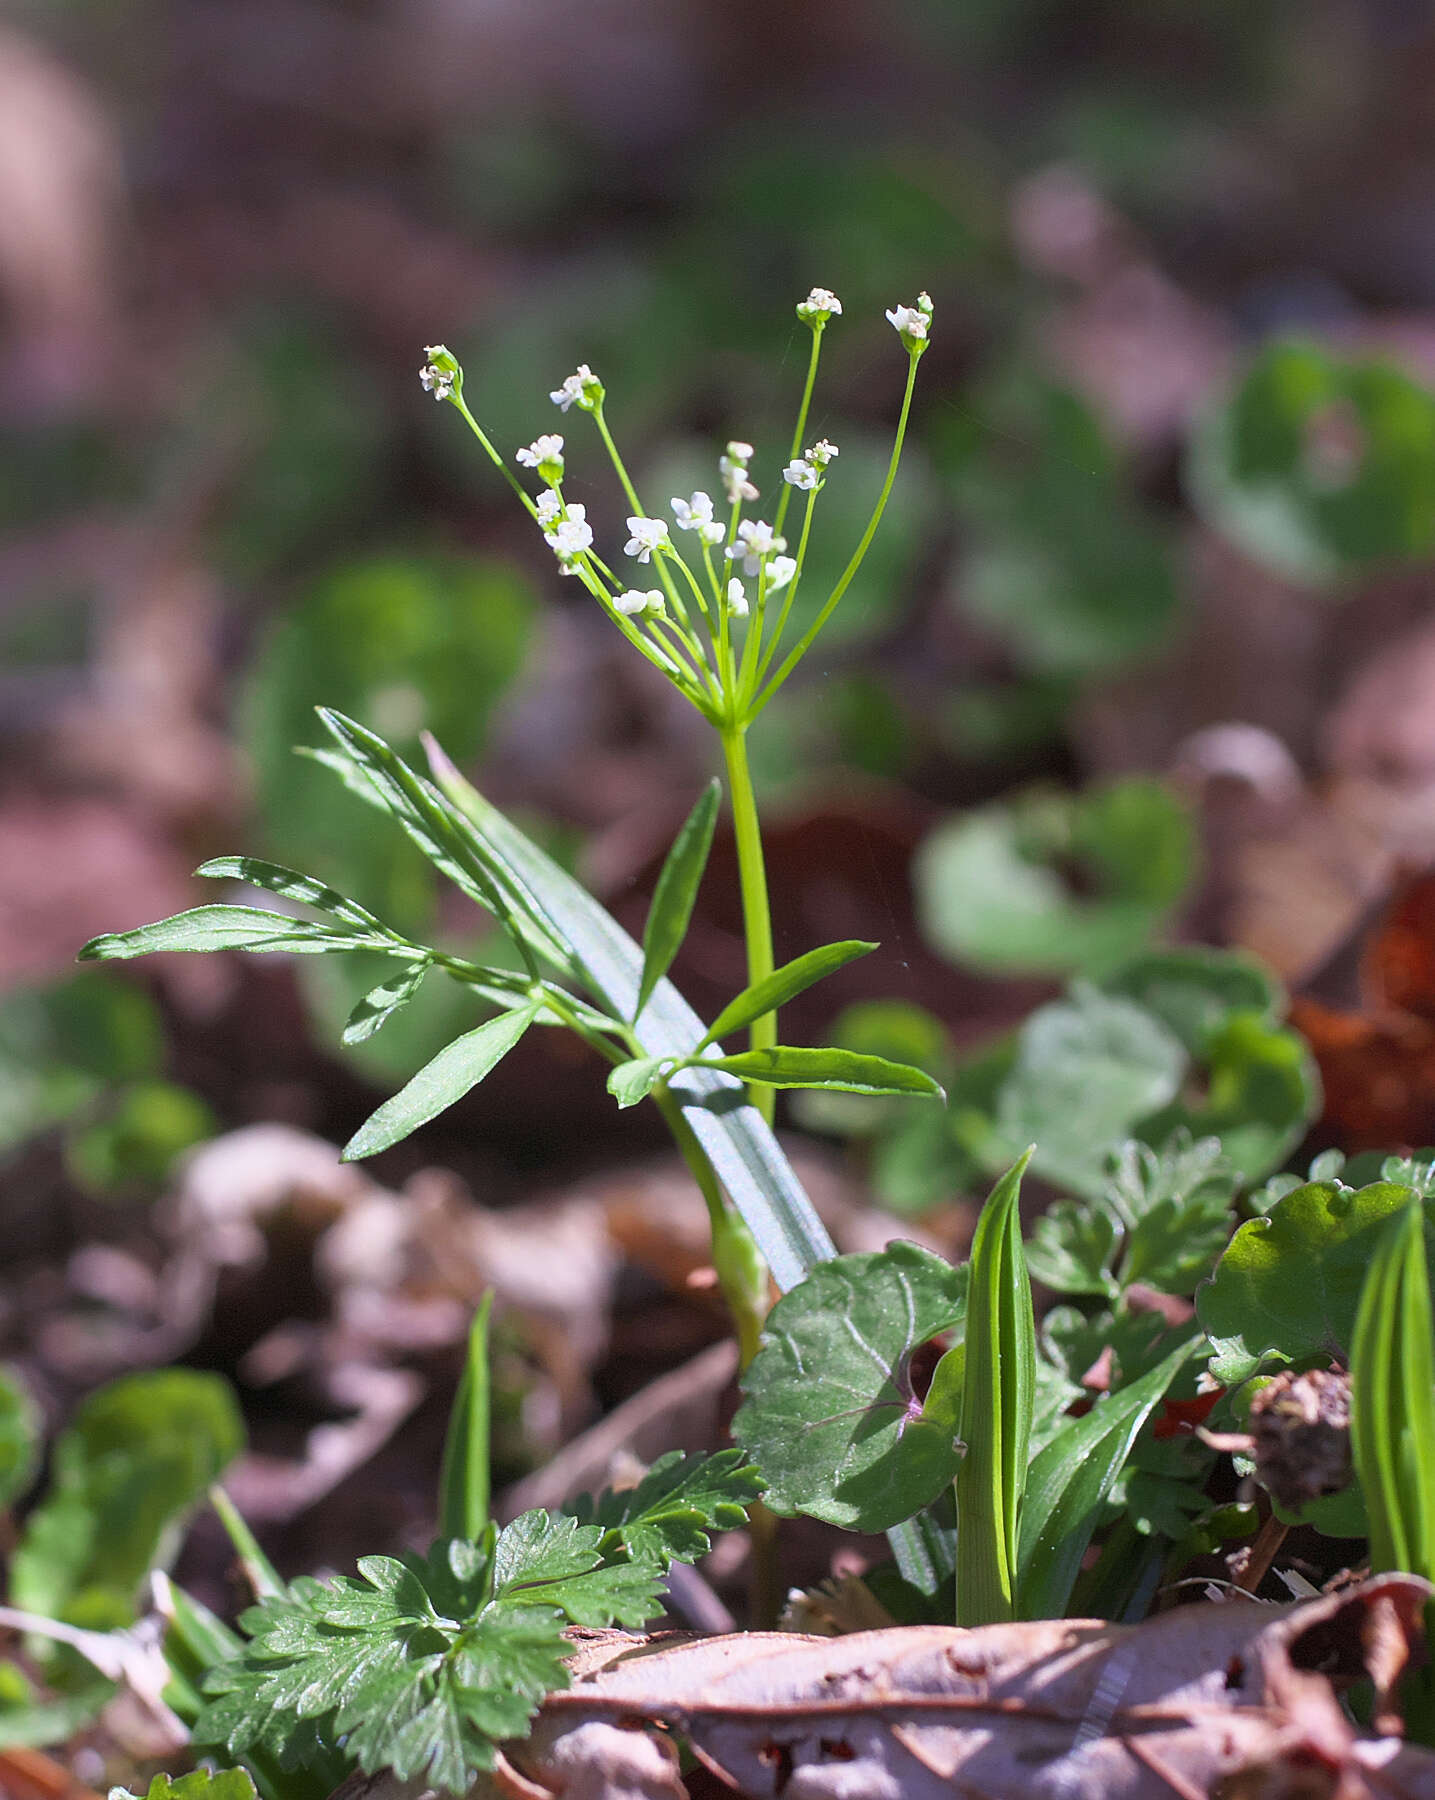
(669, 1515)
(424, 1665)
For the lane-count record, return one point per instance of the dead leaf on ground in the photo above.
(1233, 1697)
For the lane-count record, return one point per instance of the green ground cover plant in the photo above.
(1024, 1467)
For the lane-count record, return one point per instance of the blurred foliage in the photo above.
(87, 1055)
(1318, 464)
(1052, 883)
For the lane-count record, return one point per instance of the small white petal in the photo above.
(780, 570)
(800, 474)
(737, 598)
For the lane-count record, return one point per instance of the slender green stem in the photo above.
(752, 879)
(665, 575)
(456, 399)
(771, 648)
(799, 650)
(801, 425)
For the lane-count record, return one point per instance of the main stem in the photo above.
(752, 880)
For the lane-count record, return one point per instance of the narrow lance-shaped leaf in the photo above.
(234, 928)
(790, 1066)
(1392, 1399)
(380, 1004)
(677, 889)
(443, 836)
(784, 984)
(464, 1481)
(289, 883)
(458, 1067)
(998, 1395)
(1069, 1481)
(739, 1145)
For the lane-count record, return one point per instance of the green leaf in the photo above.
(1068, 1484)
(446, 838)
(784, 984)
(998, 1401)
(464, 1479)
(292, 886)
(991, 891)
(458, 1067)
(1086, 1069)
(137, 1457)
(1318, 463)
(1288, 1285)
(1072, 1247)
(1262, 1092)
(631, 1082)
(1392, 1398)
(202, 1784)
(234, 928)
(677, 889)
(1192, 989)
(19, 1438)
(421, 1665)
(672, 1512)
(737, 1141)
(380, 1004)
(832, 1416)
(786, 1065)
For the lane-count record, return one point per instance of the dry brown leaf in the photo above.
(1234, 1698)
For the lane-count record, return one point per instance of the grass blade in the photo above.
(997, 1400)
(677, 889)
(1068, 1483)
(464, 1481)
(1392, 1401)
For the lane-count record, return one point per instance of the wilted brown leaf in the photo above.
(1234, 1698)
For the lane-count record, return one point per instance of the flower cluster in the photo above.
(545, 454)
(819, 306)
(912, 323)
(806, 471)
(733, 469)
(440, 371)
(684, 627)
(581, 389)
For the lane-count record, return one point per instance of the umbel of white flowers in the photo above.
(684, 625)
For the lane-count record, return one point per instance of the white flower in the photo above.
(545, 450)
(907, 322)
(582, 388)
(648, 535)
(821, 304)
(737, 598)
(549, 506)
(570, 538)
(758, 540)
(633, 601)
(697, 515)
(780, 570)
(800, 474)
(733, 469)
(821, 453)
(437, 381)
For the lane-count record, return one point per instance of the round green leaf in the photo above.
(832, 1418)
(1289, 1283)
